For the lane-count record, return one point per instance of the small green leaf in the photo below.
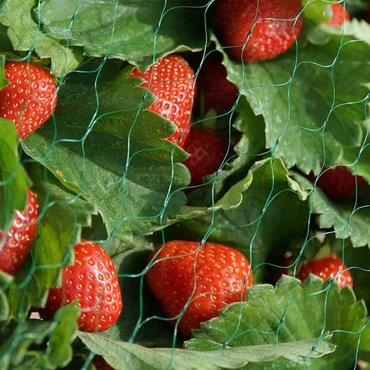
(3, 81)
(59, 351)
(17, 337)
(4, 306)
(357, 160)
(317, 11)
(360, 29)
(5, 281)
(5, 44)
(13, 177)
(290, 312)
(348, 219)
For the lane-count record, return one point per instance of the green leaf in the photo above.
(112, 151)
(62, 216)
(17, 337)
(357, 160)
(133, 356)
(4, 306)
(312, 99)
(13, 177)
(32, 360)
(264, 215)
(126, 29)
(317, 11)
(348, 219)
(288, 313)
(5, 281)
(25, 34)
(5, 44)
(3, 81)
(59, 351)
(359, 29)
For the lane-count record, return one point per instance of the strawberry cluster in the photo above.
(192, 281)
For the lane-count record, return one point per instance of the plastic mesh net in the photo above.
(279, 171)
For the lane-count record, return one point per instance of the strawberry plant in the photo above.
(184, 184)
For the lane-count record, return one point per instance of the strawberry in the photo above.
(338, 183)
(207, 149)
(101, 364)
(92, 281)
(256, 30)
(327, 267)
(19, 239)
(171, 80)
(214, 90)
(339, 15)
(30, 98)
(199, 279)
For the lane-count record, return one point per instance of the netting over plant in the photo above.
(184, 184)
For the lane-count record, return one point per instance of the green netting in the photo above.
(103, 171)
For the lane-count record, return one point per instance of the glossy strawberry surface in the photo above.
(30, 97)
(18, 241)
(256, 30)
(171, 80)
(328, 267)
(207, 149)
(92, 281)
(195, 282)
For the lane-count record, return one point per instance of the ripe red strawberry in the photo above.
(30, 98)
(339, 15)
(328, 267)
(101, 364)
(203, 279)
(19, 239)
(171, 80)
(274, 27)
(338, 183)
(207, 149)
(92, 281)
(214, 90)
